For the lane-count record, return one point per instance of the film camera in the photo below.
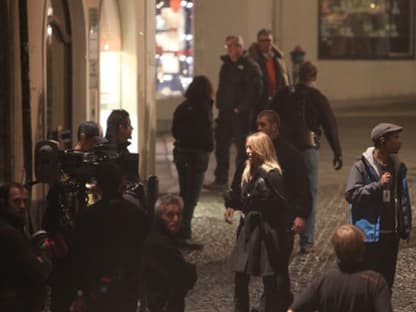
(51, 164)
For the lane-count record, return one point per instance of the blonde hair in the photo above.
(263, 147)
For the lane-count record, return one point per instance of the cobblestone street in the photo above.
(214, 289)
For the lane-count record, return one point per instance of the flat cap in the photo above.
(382, 129)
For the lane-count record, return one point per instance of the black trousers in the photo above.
(382, 256)
(274, 293)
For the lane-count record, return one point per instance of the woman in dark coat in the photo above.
(192, 130)
(261, 245)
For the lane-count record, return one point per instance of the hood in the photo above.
(368, 155)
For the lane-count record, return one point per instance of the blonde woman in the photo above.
(261, 246)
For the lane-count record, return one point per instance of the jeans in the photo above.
(311, 158)
(191, 167)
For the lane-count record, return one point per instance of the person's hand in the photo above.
(298, 225)
(385, 179)
(228, 215)
(337, 162)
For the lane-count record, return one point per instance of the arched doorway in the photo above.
(58, 56)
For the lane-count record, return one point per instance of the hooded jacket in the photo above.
(364, 193)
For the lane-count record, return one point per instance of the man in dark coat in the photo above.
(238, 93)
(166, 276)
(107, 247)
(273, 67)
(304, 110)
(23, 270)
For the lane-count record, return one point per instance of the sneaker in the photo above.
(190, 244)
(216, 186)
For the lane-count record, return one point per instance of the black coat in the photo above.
(295, 180)
(23, 272)
(192, 125)
(261, 247)
(239, 86)
(107, 242)
(166, 275)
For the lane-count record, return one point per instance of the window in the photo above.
(366, 29)
(174, 59)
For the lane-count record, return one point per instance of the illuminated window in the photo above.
(366, 29)
(174, 58)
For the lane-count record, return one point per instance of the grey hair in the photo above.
(166, 200)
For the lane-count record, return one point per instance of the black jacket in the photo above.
(192, 125)
(166, 275)
(239, 85)
(107, 242)
(23, 272)
(261, 247)
(345, 289)
(318, 110)
(295, 180)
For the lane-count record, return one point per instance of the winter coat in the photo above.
(364, 193)
(239, 87)
(23, 271)
(282, 79)
(192, 125)
(166, 275)
(318, 113)
(261, 246)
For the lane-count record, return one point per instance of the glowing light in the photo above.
(106, 47)
(183, 3)
(189, 5)
(372, 5)
(188, 37)
(49, 30)
(182, 58)
(189, 60)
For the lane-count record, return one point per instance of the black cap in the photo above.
(382, 129)
(91, 130)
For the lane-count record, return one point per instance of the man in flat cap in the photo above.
(378, 195)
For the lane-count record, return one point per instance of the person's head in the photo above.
(234, 46)
(89, 135)
(260, 149)
(268, 121)
(348, 243)
(307, 72)
(109, 177)
(200, 87)
(13, 198)
(168, 210)
(119, 127)
(386, 137)
(265, 40)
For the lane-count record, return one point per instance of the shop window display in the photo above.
(174, 57)
(366, 29)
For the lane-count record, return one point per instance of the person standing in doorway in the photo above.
(192, 130)
(238, 93)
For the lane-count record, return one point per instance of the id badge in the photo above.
(386, 196)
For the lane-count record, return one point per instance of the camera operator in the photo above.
(107, 247)
(66, 198)
(119, 129)
(23, 268)
(89, 135)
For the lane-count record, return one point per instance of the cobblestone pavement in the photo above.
(214, 289)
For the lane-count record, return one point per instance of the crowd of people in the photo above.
(113, 252)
